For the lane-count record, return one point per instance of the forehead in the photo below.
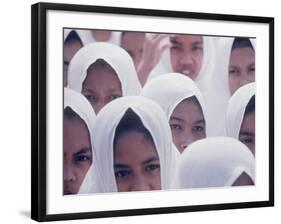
(187, 39)
(240, 54)
(187, 110)
(98, 74)
(133, 145)
(138, 35)
(75, 133)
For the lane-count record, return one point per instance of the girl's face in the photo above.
(101, 86)
(132, 42)
(187, 54)
(77, 154)
(136, 163)
(241, 68)
(247, 131)
(187, 124)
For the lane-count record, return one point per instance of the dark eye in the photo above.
(247, 141)
(175, 126)
(175, 47)
(251, 70)
(233, 72)
(152, 167)
(122, 173)
(82, 158)
(113, 97)
(90, 97)
(198, 128)
(197, 48)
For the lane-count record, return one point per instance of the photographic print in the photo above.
(147, 111)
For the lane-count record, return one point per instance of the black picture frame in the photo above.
(39, 109)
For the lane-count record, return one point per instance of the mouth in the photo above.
(186, 72)
(67, 192)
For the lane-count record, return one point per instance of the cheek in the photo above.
(199, 135)
(174, 58)
(156, 181)
(198, 60)
(123, 185)
(233, 83)
(176, 138)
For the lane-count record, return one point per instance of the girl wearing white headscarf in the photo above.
(225, 69)
(116, 175)
(79, 118)
(204, 75)
(117, 75)
(215, 162)
(171, 90)
(240, 121)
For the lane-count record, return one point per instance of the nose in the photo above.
(68, 174)
(186, 59)
(245, 79)
(186, 142)
(139, 184)
(98, 106)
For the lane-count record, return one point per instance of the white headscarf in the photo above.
(236, 109)
(115, 56)
(206, 70)
(170, 89)
(214, 162)
(153, 118)
(80, 105)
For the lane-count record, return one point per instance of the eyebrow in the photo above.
(253, 64)
(152, 159)
(83, 150)
(121, 166)
(174, 40)
(177, 119)
(200, 121)
(113, 90)
(198, 42)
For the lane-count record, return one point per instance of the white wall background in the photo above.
(15, 110)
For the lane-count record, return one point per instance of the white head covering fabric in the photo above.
(236, 109)
(214, 162)
(208, 63)
(153, 118)
(115, 56)
(168, 90)
(80, 105)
